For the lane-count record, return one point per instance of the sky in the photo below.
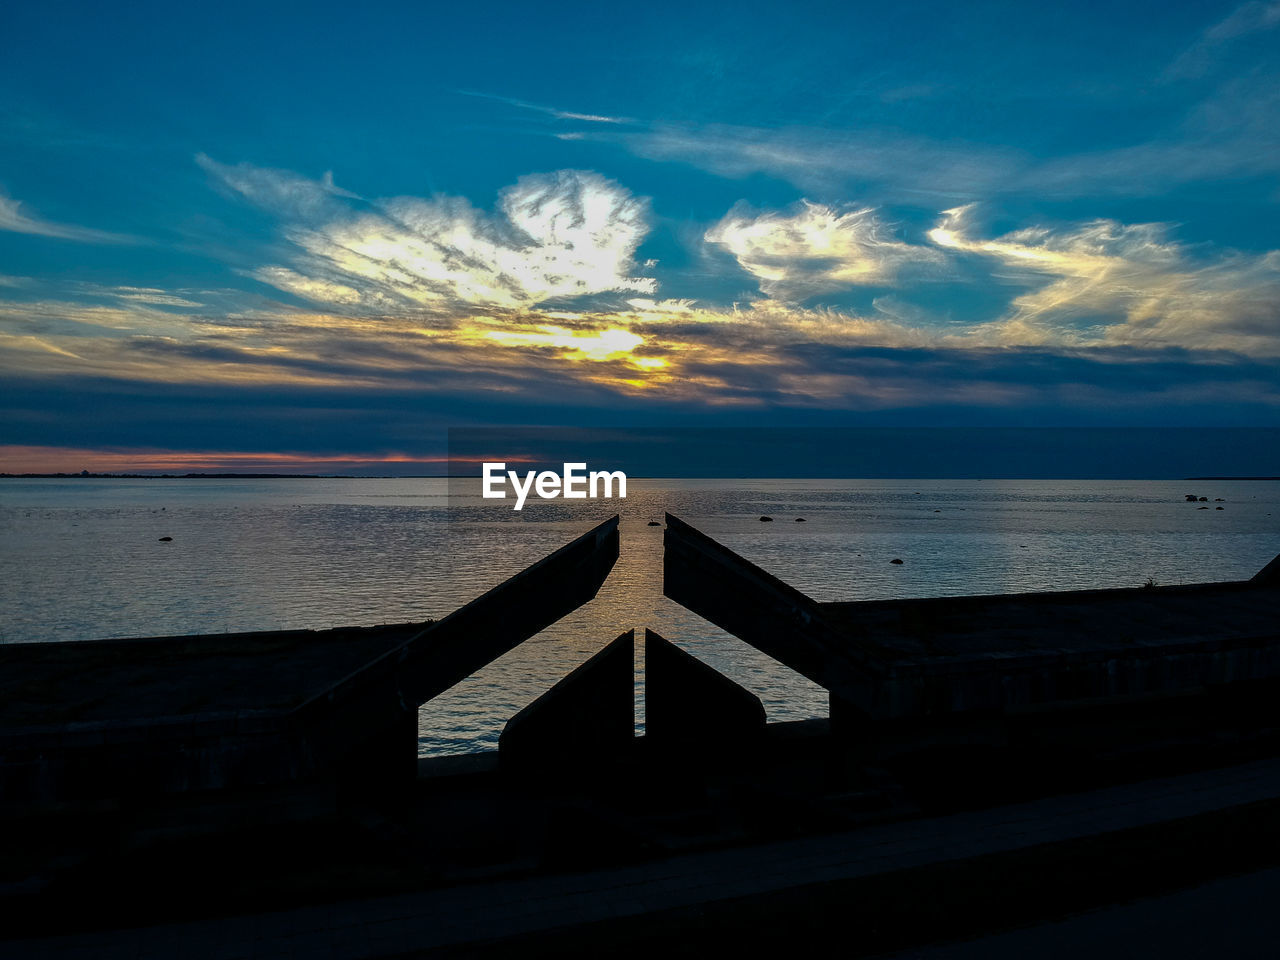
(267, 236)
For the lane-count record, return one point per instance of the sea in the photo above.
(84, 559)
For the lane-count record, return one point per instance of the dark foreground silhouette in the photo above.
(169, 779)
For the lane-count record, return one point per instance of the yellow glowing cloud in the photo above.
(612, 344)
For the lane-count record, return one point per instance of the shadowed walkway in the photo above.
(467, 916)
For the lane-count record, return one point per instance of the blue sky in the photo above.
(308, 233)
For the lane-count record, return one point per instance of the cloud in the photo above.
(12, 218)
(649, 356)
(549, 111)
(1249, 18)
(538, 298)
(152, 295)
(309, 288)
(1104, 282)
(1233, 133)
(281, 191)
(1230, 133)
(827, 162)
(814, 249)
(1100, 282)
(1121, 292)
(566, 234)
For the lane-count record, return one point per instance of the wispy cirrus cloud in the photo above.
(1227, 131)
(567, 234)
(14, 219)
(154, 295)
(827, 162)
(283, 192)
(1231, 134)
(1248, 18)
(555, 112)
(814, 249)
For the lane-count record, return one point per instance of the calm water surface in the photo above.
(81, 559)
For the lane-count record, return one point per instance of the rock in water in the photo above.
(897, 561)
(165, 539)
(766, 519)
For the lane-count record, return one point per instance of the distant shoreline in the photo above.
(208, 476)
(440, 476)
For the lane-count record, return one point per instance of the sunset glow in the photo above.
(875, 227)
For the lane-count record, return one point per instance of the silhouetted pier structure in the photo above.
(93, 721)
(294, 752)
(942, 662)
